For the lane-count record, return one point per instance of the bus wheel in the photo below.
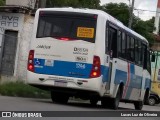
(93, 101)
(115, 101)
(138, 105)
(59, 98)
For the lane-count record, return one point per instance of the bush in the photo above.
(20, 89)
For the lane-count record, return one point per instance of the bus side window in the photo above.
(123, 54)
(136, 51)
(144, 47)
(132, 49)
(113, 41)
(128, 55)
(119, 44)
(106, 39)
(138, 54)
(148, 62)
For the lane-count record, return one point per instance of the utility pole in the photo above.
(131, 14)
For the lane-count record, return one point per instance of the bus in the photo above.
(154, 97)
(88, 54)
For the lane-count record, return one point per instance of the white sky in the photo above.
(139, 4)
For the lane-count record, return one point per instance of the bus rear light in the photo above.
(31, 68)
(64, 38)
(96, 67)
(31, 61)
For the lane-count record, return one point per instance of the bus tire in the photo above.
(59, 98)
(138, 105)
(115, 101)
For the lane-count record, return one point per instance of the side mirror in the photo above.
(153, 58)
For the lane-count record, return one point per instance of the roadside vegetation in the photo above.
(19, 89)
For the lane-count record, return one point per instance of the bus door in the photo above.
(112, 47)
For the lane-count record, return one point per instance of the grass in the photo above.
(19, 89)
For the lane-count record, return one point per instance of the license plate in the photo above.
(60, 83)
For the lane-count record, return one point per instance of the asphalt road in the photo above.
(31, 104)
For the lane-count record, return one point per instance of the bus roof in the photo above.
(98, 12)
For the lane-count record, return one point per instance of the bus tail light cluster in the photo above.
(96, 67)
(31, 61)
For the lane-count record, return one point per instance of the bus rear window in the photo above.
(76, 26)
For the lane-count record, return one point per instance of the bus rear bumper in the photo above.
(61, 83)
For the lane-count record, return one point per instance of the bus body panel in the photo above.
(130, 75)
(63, 58)
(66, 62)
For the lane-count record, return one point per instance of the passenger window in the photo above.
(123, 55)
(144, 47)
(128, 48)
(106, 39)
(113, 41)
(136, 51)
(119, 44)
(132, 49)
(139, 52)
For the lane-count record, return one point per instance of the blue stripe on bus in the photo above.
(132, 69)
(120, 76)
(135, 80)
(68, 69)
(105, 73)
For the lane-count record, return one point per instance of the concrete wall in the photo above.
(23, 24)
(25, 38)
(25, 3)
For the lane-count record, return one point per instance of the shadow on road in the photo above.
(78, 104)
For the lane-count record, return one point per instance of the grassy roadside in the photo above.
(19, 89)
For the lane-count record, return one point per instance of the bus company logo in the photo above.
(80, 49)
(43, 46)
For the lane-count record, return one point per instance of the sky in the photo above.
(150, 5)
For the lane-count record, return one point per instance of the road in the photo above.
(31, 104)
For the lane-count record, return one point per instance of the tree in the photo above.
(145, 28)
(121, 12)
(2, 2)
(74, 3)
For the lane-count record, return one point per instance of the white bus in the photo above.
(88, 54)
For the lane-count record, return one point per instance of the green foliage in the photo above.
(20, 89)
(121, 12)
(2, 2)
(145, 28)
(74, 3)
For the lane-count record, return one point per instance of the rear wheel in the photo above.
(152, 101)
(138, 105)
(59, 98)
(112, 103)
